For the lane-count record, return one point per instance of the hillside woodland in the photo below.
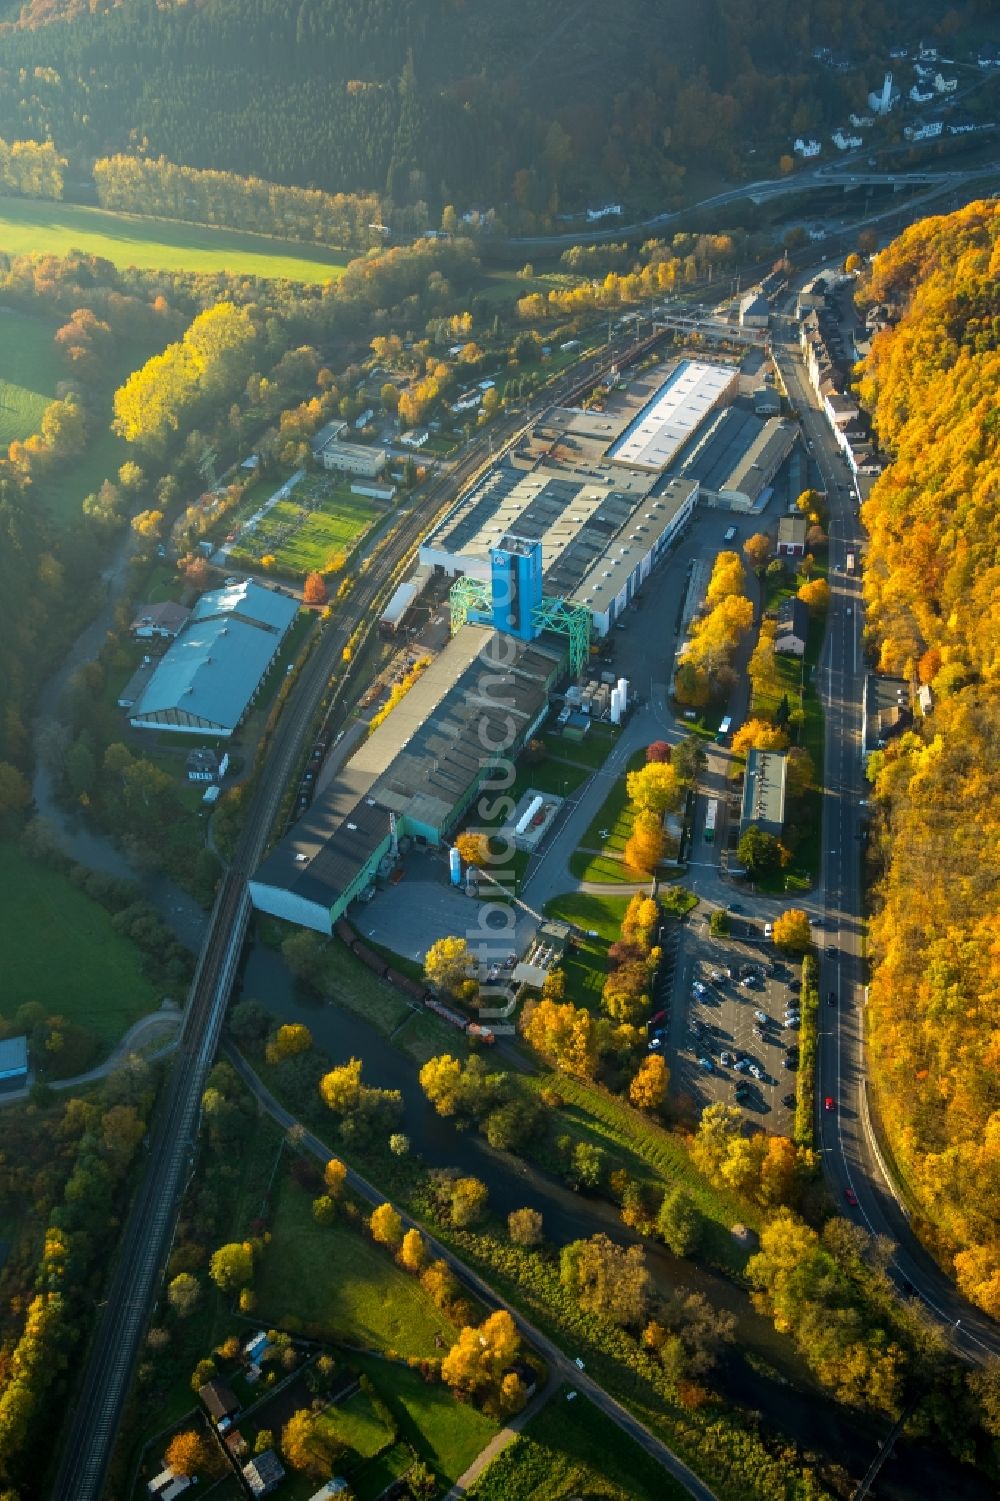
(532, 103)
(932, 579)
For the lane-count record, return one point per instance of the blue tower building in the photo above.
(516, 578)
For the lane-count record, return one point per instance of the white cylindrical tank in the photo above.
(524, 822)
(623, 691)
(616, 707)
(455, 866)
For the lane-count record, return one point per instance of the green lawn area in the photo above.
(61, 950)
(591, 751)
(614, 815)
(301, 538)
(30, 225)
(368, 1483)
(571, 1449)
(447, 1433)
(29, 370)
(357, 1424)
(649, 1153)
(334, 1279)
(105, 453)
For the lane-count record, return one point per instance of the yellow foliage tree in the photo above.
(655, 787)
(648, 1089)
(563, 1033)
(449, 967)
(334, 1177)
(290, 1039)
(757, 734)
(412, 1252)
(386, 1226)
(792, 931)
(644, 846)
(474, 848)
(478, 1358)
(816, 594)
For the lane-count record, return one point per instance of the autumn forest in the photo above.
(932, 580)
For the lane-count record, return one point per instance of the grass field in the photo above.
(333, 1277)
(30, 225)
(29, 370)
(447, 1433)
(301, 538)
(571, 1449)
(61, 950)
(357, 1424)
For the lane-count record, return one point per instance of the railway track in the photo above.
(148, 1230)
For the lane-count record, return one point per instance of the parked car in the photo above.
(699, 989)
(657, 1042)
(743, 1090)
(727, 1059)
(769, 930)
(755, 1071)
(658, 1017)
(762, 1017)
(788, 1100)
(707, 1065)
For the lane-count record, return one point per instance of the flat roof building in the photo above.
(13, 1063)
(764, 792)
(792, 537)
(353, 458)
(682, 403)
(478, 702)
(211, 673)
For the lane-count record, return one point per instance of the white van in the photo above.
(730, 534)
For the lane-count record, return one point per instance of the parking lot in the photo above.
(726, 1030)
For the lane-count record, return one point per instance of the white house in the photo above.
(843, 141)
(860, 121)
(920, 94)
(923, 132)
(944, 85)
(806, 148)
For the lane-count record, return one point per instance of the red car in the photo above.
(829, 1103)
(851, 1196)
(657, 1018)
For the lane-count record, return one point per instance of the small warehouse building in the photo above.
(791, 537)
(477, 704)
(764, 792)
(738, 457)
(13, 1064)
(211, 674)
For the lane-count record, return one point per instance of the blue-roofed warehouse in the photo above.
(210, 674)
(13, 1063)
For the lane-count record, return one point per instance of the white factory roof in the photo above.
(653, 437)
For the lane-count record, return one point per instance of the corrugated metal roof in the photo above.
(215, 665)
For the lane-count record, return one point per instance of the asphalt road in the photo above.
(851, 1158)
(557, 1360)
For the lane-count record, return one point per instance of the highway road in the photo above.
(851, 1156)
(148, 1230)
(558, 1361)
